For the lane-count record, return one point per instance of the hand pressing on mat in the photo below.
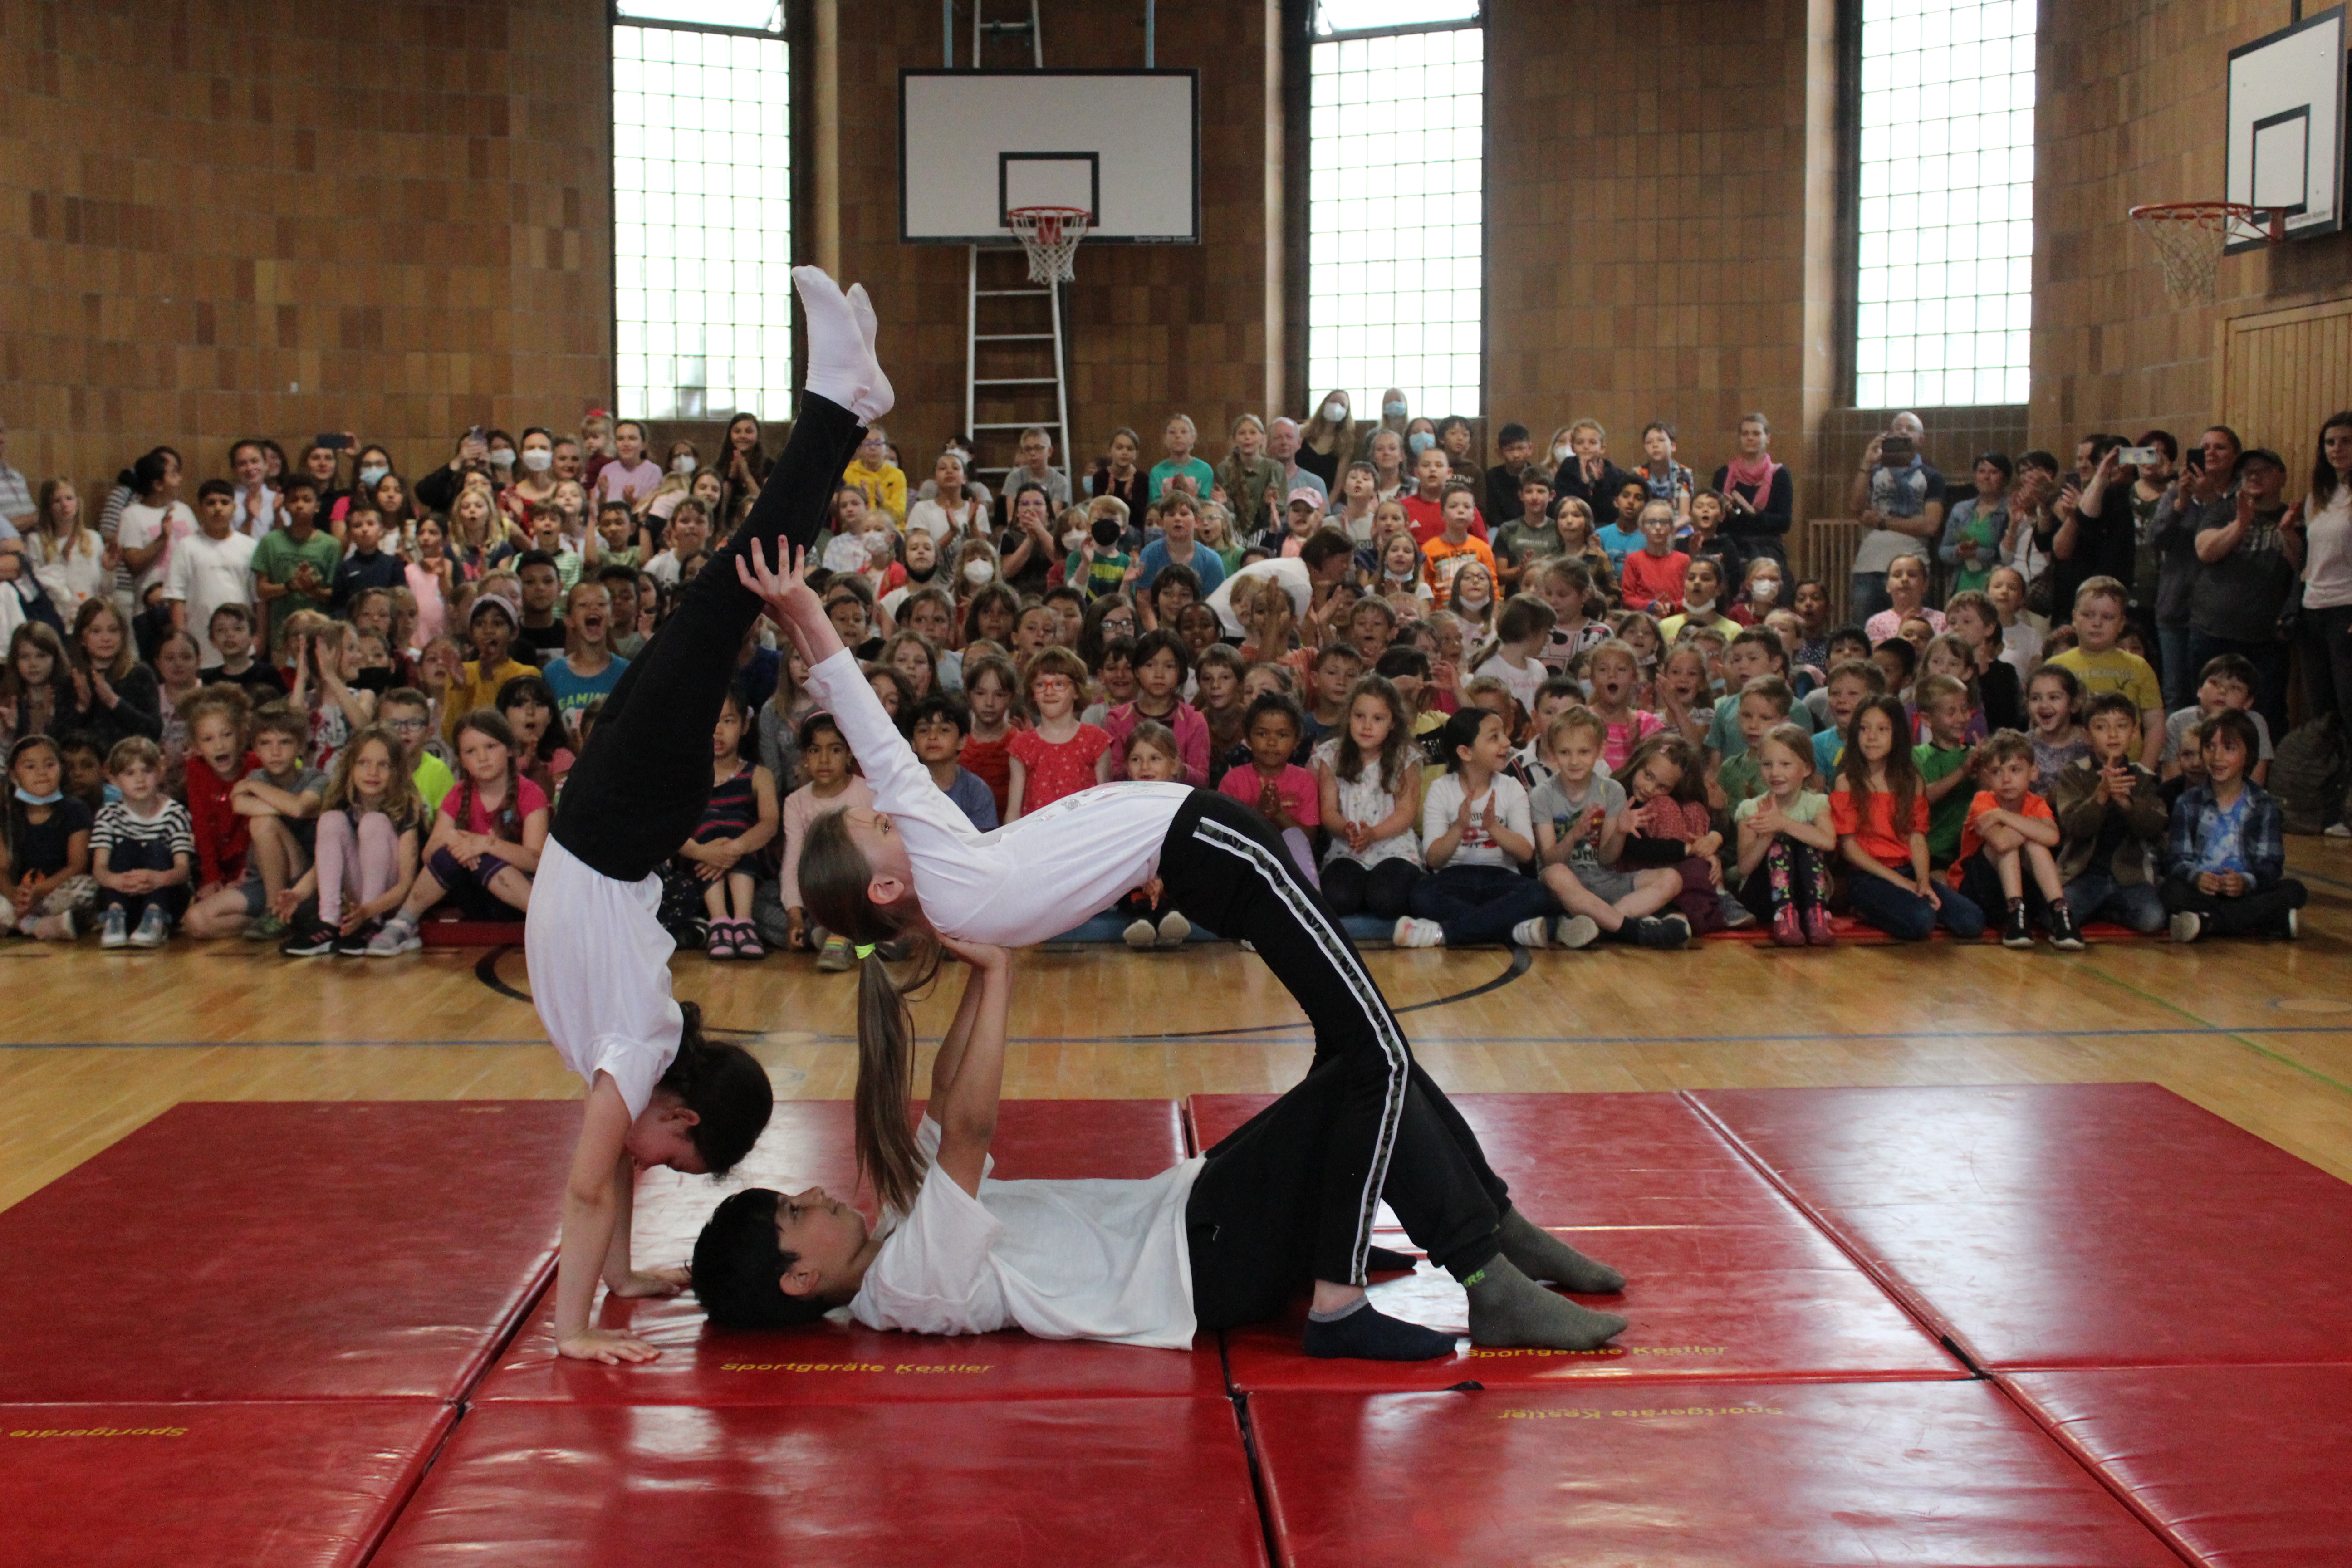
(643, 1283)
(605, 1345)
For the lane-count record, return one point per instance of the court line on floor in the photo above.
(2208, 1026)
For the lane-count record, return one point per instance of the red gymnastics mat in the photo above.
(831, 1362)
(2239, 1467)
(1717, 1476)
(280, 1251)
(278, 1484)
(1092, 1483)
(2069, 1225)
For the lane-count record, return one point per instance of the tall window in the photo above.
(1395, 290)
(701, 210)
(1944, 291)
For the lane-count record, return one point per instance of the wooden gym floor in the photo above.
(92, 1045)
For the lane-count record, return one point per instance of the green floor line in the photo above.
(2210, 1026)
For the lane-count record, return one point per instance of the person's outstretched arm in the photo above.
(965, 1107)
(595, 1225)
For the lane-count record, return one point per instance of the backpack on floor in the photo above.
(2308, 774)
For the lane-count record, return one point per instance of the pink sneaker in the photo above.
(1787, 930)
(1817, 928)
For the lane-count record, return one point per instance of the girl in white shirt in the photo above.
(914, 871)
(1476, 833)
(658, 1093)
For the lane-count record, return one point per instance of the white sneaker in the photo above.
(112, 931)
(1411, 932)
(155, 930)
(2337, 830)
(1141, 934)
(1532, 933)
(2186, 926)
(396, 937)
(1572, 931)
(1174, 929)
(2294, 925)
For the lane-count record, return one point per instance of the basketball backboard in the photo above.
(2286, 127)
(1123, 145)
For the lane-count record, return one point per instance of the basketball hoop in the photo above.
(2190, 236)
(1050, 236)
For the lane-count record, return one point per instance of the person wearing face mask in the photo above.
(1027, 550)
(1328, 445)
(438, 491)
(1394, 412)
(534, 485)
(1420, 436)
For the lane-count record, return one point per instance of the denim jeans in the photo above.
(1866, 595)
(1479, 903)
(2096, 895)
(1905, 916)
(2178, 674)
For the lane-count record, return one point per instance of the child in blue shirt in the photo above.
(2226, 855)
(1178, 443)
(940, 723)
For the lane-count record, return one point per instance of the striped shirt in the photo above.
(118, 824)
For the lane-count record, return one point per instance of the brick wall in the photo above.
(2132, 99)
(274, 218)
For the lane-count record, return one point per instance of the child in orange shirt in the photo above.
(2009, 828)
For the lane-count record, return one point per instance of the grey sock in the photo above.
(1357, 1305)
(1540, 1255)
(1507, 1308)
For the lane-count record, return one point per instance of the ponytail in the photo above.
(833, 876)
(725, 1086)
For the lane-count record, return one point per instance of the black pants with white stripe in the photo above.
(640, 790)
(1293, 1195)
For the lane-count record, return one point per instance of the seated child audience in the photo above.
(2011, 831)
(1949, 768)
(1764, 705)
(2226, 681)
(142, 850)
(833, 783)
(993, 688)
(1060, 756)
(1475, 834)
(1786, 839)
(1579, 831)
(489, 831)
(1150, 758)
(1161, 662)
(2225, 856)
(1668, 824)
(2100, 662)
(528, 706)
(1368, 775)
(1613, 671)
(2053, 696)
(44, 848)
(1879, 808)
(939, 726)
(2113, 814)
(738, 823)
(1279, 789)
(370, 822)
(1522, 631)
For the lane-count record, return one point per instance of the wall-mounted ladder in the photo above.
(1024, 351)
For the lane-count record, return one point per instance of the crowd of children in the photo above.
(1472, 708)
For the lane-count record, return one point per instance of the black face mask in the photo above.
(375, 680)
(926, 575)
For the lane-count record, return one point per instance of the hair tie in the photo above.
(865, 949)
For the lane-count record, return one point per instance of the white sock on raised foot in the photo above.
(842, 366)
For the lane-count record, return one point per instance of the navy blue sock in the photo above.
(1362, 1332)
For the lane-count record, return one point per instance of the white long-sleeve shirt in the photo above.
(1024, 882)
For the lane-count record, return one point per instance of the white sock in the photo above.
(841, 364)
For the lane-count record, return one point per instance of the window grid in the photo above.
(1395, 293)
(1944, 284)
(701, 224)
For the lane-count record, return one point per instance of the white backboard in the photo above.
(2286, 126)
(1125, 145)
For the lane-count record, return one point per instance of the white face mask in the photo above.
(1334, 411)
(502, 458)
(1698, 609)
(1393, 410)
(682, 464)
(1473, 600)
(876, 539)
(368, 476)
(537, 459)
(1763, 591)
(1073, 539)
(1560, 454)
(978, 573)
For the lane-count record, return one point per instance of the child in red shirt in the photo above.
(1880, 811)
(216, 720)
(990, 685)
(1652, 577)
(1061, 756)
(1281, 790)
(2009, 830)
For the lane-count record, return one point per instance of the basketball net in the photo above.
(2190, 236)
(1050, 236)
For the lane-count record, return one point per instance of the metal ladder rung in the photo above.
(1012, 337)
(1023, 425)
(1011, 293)
(1014, 381)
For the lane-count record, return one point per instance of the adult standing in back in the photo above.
(2327, 586)
(2250, 562)
(1762, 494)
(1898, 497)
(2204, 497)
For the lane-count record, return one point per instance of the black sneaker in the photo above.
(355, 945)
(1669, 931)
(314, 940)
(2059, 922)
(2015, 931)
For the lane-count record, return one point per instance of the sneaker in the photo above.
(747, 941)
(2337, 830)
(1174, 930)
(720, 943)
(1141, 934)
(1531, 934)
(2060, 924)
(265, 928)
(1737, 915)
(2015, 931)
(1653, 930)
(113, 931)
(1411, 932)
(1817, 928)
(66, 929)
(2295, 925)
(316, 940)
(155, 929)
(355, 945)
(398, 936)
(1788, 929)
(836, 956)
(1572, 931)
(2187, 926)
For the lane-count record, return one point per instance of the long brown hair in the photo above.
(833, 876)
(1902, 770)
